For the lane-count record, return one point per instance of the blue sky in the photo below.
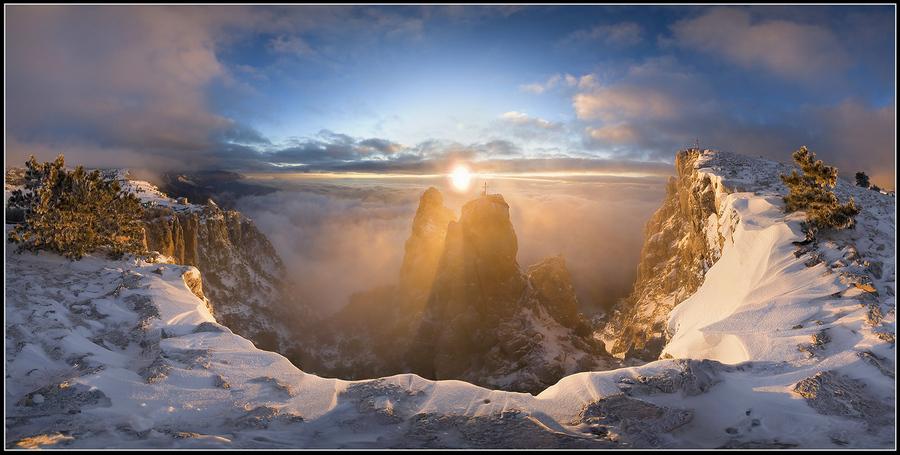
(417, 88)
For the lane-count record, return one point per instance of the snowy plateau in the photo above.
(782, 345)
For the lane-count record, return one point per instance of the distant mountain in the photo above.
(763, 341)
(223, 187)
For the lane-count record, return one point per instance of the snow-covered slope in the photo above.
(782, 346)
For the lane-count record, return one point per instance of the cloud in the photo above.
(242, 134)
(650, 110)
(657, 89)
(513, 115)
(588, 82)
(790, 49)
(622, 34)
(574, 165)
(334, 240)
(522, 119)
(140, 77)
(328, 149)
(532, 88)
(329, 152)
(127, 77)
(620, 133)
(382, 145)
(293, 45)
(855, 137)
(393, 24)
(554, 81)
(624, 101)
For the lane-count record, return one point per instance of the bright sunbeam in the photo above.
(461, 178)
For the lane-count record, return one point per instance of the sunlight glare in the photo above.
(461, 178)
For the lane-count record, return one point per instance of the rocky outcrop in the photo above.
(679, 247)
(424, 247)
(464, 309)
(242, 274)
(487, 323)
(550, 279)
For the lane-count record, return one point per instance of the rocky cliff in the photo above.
(686, 236)
(464, 309)
(678, 249)
(241, 272)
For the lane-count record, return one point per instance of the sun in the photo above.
(461, 178)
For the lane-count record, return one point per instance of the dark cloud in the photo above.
(120, 77)
(134, 80)
(242, 134)
(330, 152)
(384, 146)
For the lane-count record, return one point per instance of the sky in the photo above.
(415, 89)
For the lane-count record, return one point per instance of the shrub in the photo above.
(811, 191)
(75, 212)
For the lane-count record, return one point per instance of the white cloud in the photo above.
(521, 118)
(554, 81)
(513, 114)
(624, 101)
(532, 88)
(620, 133)
(588, 81)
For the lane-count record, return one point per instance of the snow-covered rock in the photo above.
(242, 273)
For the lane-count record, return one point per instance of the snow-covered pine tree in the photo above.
(75, 212)
(811, 191)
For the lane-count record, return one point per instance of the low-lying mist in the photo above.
(339, 236)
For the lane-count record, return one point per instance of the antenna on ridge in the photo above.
(697, 143)
(484, 192)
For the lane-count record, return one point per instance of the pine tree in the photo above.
(811, 191)
(862, 179)
(75, 212)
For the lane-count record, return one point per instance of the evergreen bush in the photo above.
(812, 191)
(75, 212)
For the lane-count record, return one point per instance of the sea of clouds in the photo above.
(339, 236)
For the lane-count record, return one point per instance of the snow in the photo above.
(121, 354)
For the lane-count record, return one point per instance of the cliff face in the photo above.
(682, 241)
(241, 272)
